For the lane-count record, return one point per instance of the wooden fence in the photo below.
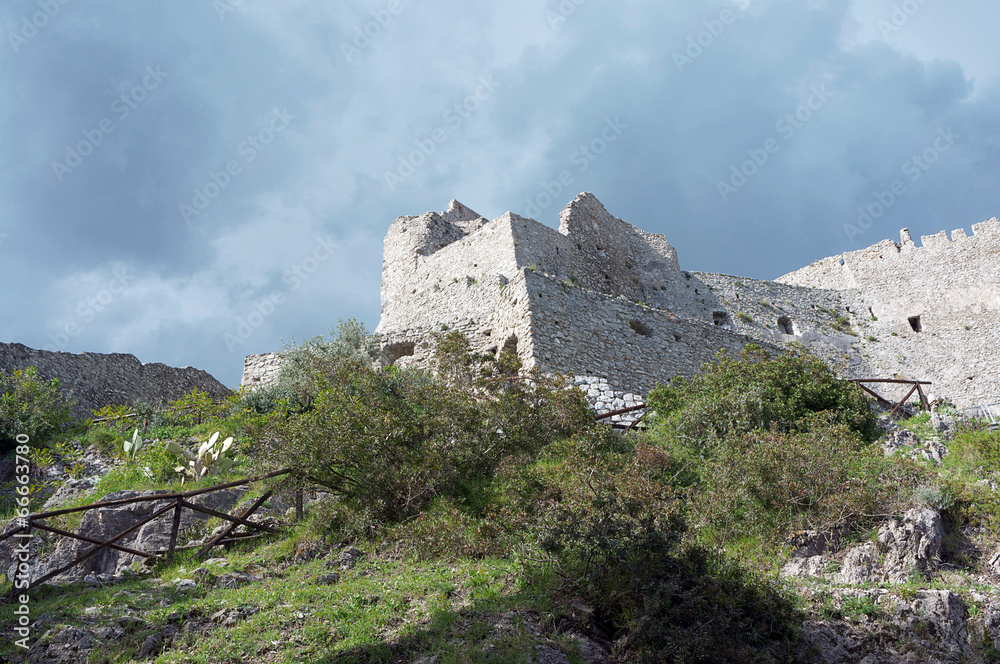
(916, 387)
(178, 502)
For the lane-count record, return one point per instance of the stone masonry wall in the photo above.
(96, 380)
(260, 369)
(928, 313)
(608, 303)
(578, 331)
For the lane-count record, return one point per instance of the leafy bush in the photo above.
(390, 441)
(114, 418)
(106, 440)
(756, 391)
(195, 407)
(271, 398)
(31, 406)
(763, 485)
(350, 341)
(678, 603)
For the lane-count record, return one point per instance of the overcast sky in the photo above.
(196, 180)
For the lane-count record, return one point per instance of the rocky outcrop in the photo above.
(911, 545)
(96, 380)
(907, 549)
(879, 626)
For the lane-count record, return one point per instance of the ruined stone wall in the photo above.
(449, 271)
(902, 280)
(601, 253)
(96, 380)
(604, 299)
(578, 331)
(926, 313)
(502, 321)
(260, 369)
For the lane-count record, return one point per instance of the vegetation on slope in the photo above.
(496, 516)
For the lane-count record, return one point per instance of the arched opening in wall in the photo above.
(720, 318)
(402, 349)
(510, 345)
(639, 328)
(915, 324)
(785, 325)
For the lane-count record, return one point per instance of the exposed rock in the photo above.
(67, 491)
(806, 567)
(97, 380)
(107, 522)
(229, 617)
(929, 627)
(68, 646)
(234, 580)
(590, 651)
(349, 557)
(813, 543)
(907, 442)
(860, 565)
(548, 655)
(911, 544)
(151, 646)
(833, 648)
(185, 585)
(328, 579)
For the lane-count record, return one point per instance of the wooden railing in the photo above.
(897, 381)
(178, 502)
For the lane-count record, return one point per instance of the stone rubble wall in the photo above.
(577, 331)
(96, 380)
(927, 313)
(604, 398)
(602, 298)
(260, 370)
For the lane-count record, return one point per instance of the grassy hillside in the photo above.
(498, 522)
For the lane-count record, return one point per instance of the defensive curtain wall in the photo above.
(930, 312)
(608, 303)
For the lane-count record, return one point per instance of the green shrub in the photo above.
(441, 531)
(106, 440)
(33, 407)
(764, 485)
(350, 341)
(113, 418)
(679, 603)
(272, 398)
(975, 451)
(756, 391)
(389, 441)
(195, 407)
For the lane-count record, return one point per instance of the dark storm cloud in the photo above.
(246, 158)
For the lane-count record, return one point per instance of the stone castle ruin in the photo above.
(606, 302)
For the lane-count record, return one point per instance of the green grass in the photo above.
(383, 609)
